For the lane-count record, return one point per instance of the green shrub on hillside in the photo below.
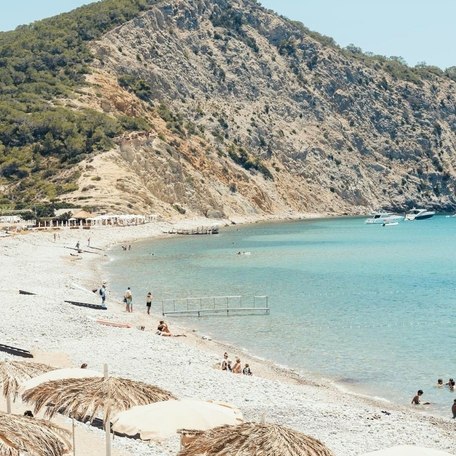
(39, 63)
(242, 158)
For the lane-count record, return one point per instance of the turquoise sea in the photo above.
(370, 308)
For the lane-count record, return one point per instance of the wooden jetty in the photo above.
(215, 305)
(201, 230)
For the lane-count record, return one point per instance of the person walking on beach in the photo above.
(453, 409)
(128, 300)
(103, 294)
(149, 298)
(88, 242)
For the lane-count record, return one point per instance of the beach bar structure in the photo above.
(121, 219)
(215, 305)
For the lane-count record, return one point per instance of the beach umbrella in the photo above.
(254, 439)
(83, 398)
(59, 374)
(408, 450)
(163, 419)
(23, 435)
(14, 373)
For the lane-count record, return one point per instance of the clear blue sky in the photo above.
(418, 30)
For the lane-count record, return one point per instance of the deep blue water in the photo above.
(369, 307)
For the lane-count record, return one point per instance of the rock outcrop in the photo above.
(252, 115)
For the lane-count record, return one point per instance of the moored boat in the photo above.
(419, 214)
(383, 217)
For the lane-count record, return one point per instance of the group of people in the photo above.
(236, 368)
(127, 299)
(451, 384)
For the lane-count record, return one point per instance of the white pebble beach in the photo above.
(65, 335)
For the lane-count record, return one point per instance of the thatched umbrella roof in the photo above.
(253, 439)
(82, 215)
(13, 373)
(23, 435)
(87, 397)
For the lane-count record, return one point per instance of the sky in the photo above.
(417, 30)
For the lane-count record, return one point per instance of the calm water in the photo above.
(370, 307)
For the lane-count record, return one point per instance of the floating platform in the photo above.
(215, 306)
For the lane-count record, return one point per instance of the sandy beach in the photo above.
(64, 335)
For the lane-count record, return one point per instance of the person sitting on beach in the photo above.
(84, 366)
(224, 363)
(30, 414)
(246, 370)
(453, 409)
(417, 398)
(163, 330)
(237, 367)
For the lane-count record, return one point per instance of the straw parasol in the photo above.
(88, 397)
(82, 215)
(21, 434)
(254, 439)
(13, 373)
(163, 419)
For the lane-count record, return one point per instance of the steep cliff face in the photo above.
(251, 114)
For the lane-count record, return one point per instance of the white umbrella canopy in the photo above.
(161, 420)
(59, 374)
(408, 450)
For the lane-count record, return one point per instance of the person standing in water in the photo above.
(128, 299)
(149, 298)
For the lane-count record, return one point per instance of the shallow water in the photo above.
(370, 307)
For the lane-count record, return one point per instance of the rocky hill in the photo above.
(225, 108)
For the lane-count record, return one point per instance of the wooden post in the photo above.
(107, 422)
(74, 437)
(8, 404)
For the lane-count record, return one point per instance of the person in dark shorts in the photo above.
(149, 298)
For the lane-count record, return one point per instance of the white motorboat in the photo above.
(383, 217)
(419, 214)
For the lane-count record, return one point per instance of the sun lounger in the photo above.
(23, 292)
(86, 304)
(15, 351)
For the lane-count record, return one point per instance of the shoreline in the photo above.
(347, 424)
